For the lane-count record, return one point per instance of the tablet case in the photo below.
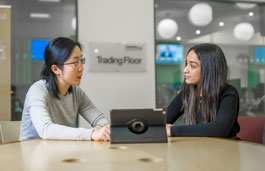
(138, 126)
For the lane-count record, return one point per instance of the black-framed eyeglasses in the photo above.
(77, 63)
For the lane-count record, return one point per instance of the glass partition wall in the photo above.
(33, 24)
(238, 28)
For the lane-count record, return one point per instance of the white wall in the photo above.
(116, 21)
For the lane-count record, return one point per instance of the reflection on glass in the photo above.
(31, 31)
(239, 31)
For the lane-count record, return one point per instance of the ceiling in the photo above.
(225, 11)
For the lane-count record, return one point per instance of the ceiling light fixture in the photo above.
(245, 5)
(167, 28)
(5, 6)
(243, 31)
(49, 0)
(40, 15)
(251, 14)
(201, 14)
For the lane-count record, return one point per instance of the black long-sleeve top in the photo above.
(225, 125)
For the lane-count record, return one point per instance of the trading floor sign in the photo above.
(117, 57)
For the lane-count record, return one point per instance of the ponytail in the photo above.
(44, 73)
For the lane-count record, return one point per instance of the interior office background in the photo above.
(238, 28)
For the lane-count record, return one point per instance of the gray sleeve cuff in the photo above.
(101, 120)
(84, 134)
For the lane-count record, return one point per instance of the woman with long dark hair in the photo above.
(209, 105)
(53, 103)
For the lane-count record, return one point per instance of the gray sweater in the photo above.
(49, 118)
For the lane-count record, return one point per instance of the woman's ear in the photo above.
(55, 69)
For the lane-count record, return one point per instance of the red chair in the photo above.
(251, 128)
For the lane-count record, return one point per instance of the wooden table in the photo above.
(179, 154)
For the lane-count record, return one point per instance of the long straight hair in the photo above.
(56, 53)
(213, 79)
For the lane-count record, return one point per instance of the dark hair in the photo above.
(213, 79)
(56, 53)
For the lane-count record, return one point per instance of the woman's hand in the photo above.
(168, 129)
(101, 133)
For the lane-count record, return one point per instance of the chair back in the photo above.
(9, 131)
(251, 128)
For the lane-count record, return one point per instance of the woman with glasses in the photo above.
(208, 104)
(53, 103)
